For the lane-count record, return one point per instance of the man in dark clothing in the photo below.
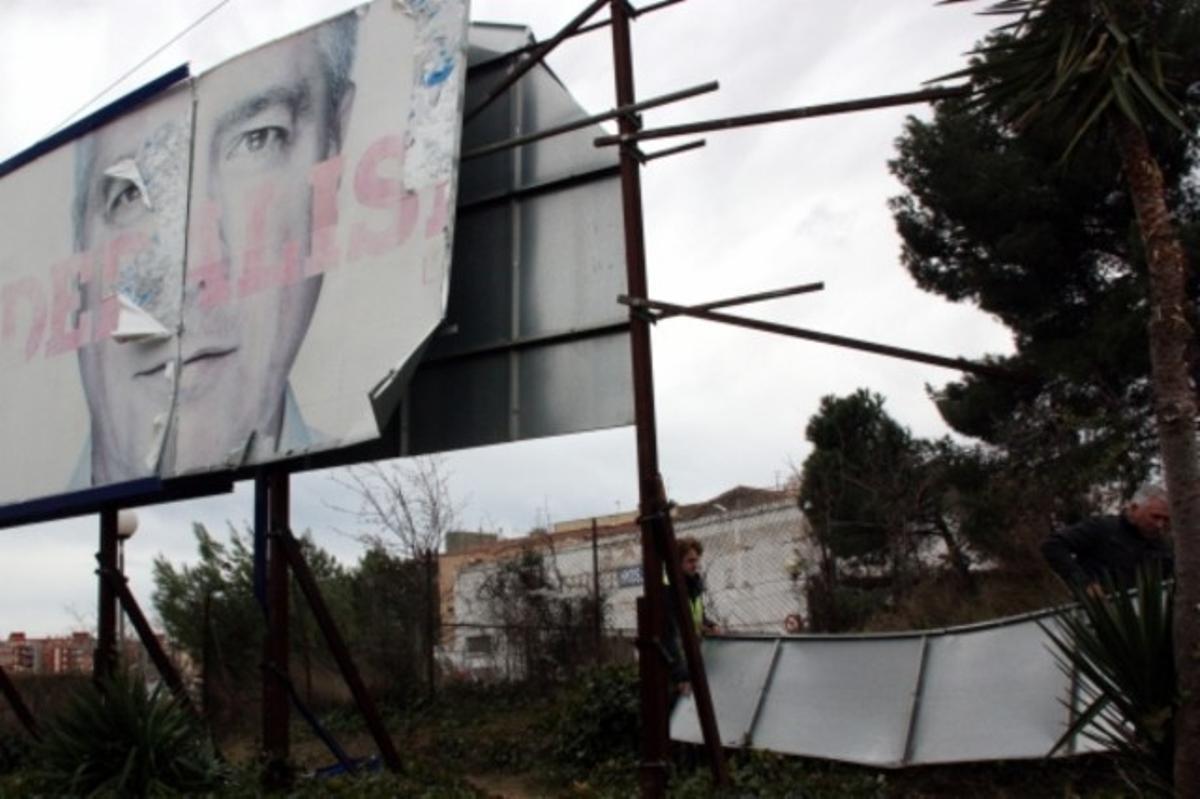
(689, 551)
(1116, 546)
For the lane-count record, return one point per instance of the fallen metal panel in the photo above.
(739, 670)
(991, 695)
(849, 700)
(987, 692)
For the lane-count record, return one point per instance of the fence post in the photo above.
(597, 616)
(431, 620)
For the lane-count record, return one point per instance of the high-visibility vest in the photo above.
(697, 606)
(697, 603)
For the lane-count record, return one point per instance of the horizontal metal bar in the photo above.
(786, 115)
(536, 189)
(958, 364)
(135, 493)
(528, 343)
(595, 26)
(654, 102)
(520, 67)
(683, 148)
(745, 299)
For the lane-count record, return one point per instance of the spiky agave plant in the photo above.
(122, 739)
(1120, 647)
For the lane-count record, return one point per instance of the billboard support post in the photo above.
(432, 619)
(104, 660)
(19, 708)
(275, 646)
(119, 586)
(654, 511)
(284, 543)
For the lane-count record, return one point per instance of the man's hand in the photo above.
(685, 689)
(1094, 590)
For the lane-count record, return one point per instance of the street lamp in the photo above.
(127, 524)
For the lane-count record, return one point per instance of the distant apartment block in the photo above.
(68, 654)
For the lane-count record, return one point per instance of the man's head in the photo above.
(690, 550)
(1149, 511)
(262, 123)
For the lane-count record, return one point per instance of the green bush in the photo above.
(121, 739)
(599, 719)
(1121, 644)
(14, 751)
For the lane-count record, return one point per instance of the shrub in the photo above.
(121, 739)
(599, 720)
(1121, 645)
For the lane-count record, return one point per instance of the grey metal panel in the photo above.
(583, 385)
(735, 672)
(848, 700)
(495, 173)
(572, 259)
(459, 404)
(491, 39)
(995, 694)
(549, 104)
(528, 347)
(479, 311)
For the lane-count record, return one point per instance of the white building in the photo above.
(756, 543)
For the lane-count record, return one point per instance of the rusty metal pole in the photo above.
(652, 669)
(657, 534)
(275, 648)
(120, 588)
(432, 614)
(19, 708)
(285, 544)
(597, 616)
(104, 661)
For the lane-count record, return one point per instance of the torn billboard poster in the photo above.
(232, 272)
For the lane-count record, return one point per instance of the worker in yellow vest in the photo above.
(689, 551)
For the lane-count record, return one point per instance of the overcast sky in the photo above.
(756, 209)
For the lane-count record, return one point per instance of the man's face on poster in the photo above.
(262, 124)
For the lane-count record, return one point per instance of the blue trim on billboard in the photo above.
(134, 493)
(96, 119)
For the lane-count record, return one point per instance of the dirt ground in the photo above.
(504, 786)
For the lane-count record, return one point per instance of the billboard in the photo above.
(239, 269)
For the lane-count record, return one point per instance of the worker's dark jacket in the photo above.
(673, 644)
(1104, 545)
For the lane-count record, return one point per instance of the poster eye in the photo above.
(259, 143)
(124, 203)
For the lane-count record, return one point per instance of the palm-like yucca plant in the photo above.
(1068, 62)
(1092, 68)
(1119, 647)
(122, 739)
